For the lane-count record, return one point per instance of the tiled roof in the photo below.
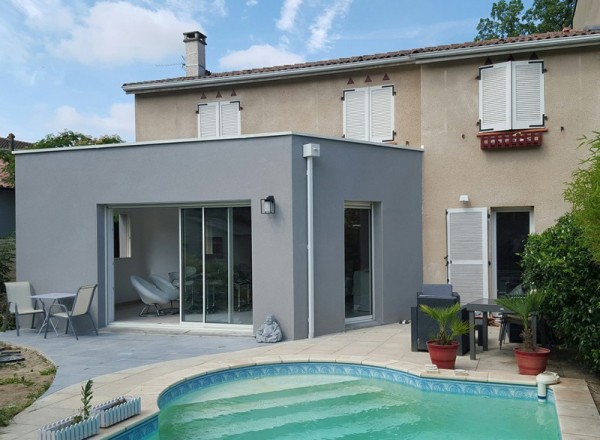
(382, 56)
(19, 145)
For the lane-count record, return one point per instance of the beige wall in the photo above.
(436, 105)
(310, 106)
(587, 14)
(453, 165)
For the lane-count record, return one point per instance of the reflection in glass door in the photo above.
(511, 231)
(357, 263)
(217, 250)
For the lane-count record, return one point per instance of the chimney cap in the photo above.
(194, 36)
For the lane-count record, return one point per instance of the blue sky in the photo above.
(63, 62)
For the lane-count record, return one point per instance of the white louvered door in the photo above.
(467, 231)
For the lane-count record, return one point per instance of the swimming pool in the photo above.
(333, 400)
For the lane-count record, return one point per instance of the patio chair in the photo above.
(81, 306)
(149, 294)
(167, 287)
(21, 303)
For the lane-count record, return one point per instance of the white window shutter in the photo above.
(356, 115)
(527, 94)
(382, 114)
(494, 97)
(230, 118)
(208, 120)
(467, 231)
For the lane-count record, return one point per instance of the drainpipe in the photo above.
(309, 151)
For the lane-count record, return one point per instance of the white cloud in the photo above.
(322, 25)
(122, 33)
(120, 120)
(251, 3)
(262, 55)
(45, 15)
(287, 17)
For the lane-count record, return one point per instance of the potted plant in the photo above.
(444, 346)
(77, 427)
(530, 358)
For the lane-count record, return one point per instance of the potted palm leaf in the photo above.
(444, 346)
(530, 358)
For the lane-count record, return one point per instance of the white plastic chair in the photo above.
(81, 306)
(20, 301)
(149, 294)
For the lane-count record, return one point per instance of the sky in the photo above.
(63, 62)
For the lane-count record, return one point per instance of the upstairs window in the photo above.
(219, 119)
(369, 114)
(511, 96)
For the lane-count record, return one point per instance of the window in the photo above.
(219, 119)
(369, 114)
(511, 96)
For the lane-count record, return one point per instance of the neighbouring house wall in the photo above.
(587, 14)
(311, 105)
(7, 211)
(454, 164)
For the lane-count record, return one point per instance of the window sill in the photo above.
(500, 140)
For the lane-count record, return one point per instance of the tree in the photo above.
(509, 20)
(584, 194)
(69, 138)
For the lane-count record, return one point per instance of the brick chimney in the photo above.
(195, 53)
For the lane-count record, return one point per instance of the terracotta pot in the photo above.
(444, 356)
(532, 362)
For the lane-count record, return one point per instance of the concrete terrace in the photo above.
(131, 366)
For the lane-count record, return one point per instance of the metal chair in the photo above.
(81, 306)
(20, 302)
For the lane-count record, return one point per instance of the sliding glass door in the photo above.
(217, 265)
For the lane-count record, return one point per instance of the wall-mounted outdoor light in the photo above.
(267, 205)
(463, 198)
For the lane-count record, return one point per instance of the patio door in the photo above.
(216, 269)
(358, 262)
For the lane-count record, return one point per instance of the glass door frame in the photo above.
(494, 247)
(230, 287)
(366, 206)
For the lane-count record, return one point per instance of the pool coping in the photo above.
(577, 413)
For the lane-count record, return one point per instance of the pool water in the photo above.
(340, 406)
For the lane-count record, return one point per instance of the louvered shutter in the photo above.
(467, 232)
(495, 97)
(356, 115)
(208, 120)
(382, 113)
(230, 118)
(527, 94)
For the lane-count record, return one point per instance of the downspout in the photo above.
(309, 151)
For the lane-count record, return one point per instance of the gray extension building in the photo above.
(192, 209)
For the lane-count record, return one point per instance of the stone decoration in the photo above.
(269, 331)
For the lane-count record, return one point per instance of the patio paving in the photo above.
(146, 364)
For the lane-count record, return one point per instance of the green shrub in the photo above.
(558, 262)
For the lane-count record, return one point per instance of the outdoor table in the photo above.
(48, 300)
(485, 306)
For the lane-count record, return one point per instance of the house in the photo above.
(7, 190)
(483, 134)
(498, 121)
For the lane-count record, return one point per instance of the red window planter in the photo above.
(510, 139)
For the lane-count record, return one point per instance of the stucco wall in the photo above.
(586, 14)
(310, 105)
(454, 163)
(64, 247)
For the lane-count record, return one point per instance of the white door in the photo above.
(467, 231)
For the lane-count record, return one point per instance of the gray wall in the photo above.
(61, 193)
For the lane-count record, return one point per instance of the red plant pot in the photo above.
(532, 362)
(444, 356)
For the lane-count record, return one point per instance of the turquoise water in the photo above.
(333, 406)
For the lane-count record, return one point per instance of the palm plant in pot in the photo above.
(530, 358)
(444, 346)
